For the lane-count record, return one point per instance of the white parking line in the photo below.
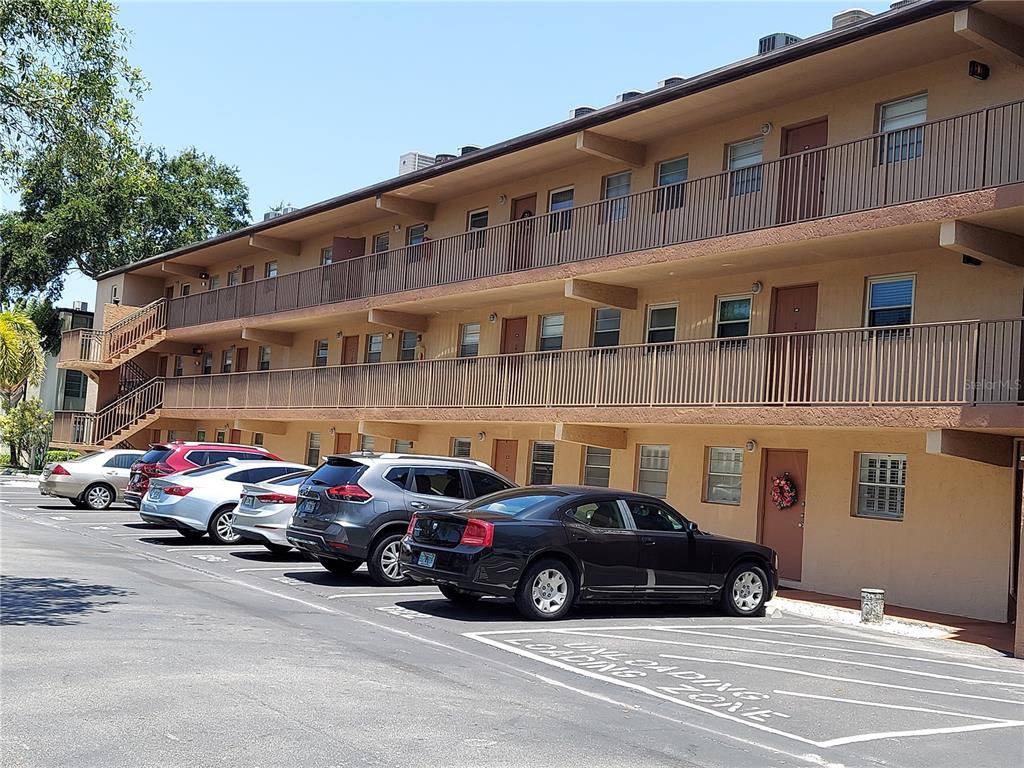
(155, 534)
(303, 569)
(842, 638)
(381, 594)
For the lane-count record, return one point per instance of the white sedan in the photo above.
(265, 509)
(203, 500)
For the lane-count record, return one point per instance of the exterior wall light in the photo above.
(492, 318)
(751, 446)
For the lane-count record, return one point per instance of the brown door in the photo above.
(242, 360)
(794, 309)
(350, 350)
(513, 335)
(783, 529)
(235, 436)
(523, 211)
(802, 192)
(248, 273)
(343, 442)
(505, 454)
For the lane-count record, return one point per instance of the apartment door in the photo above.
(513, 335)
(794, 309)
(248, 273)
(506, 453)
(343, 442)
(523, 211)
(242, 360)
(350, 350)
(235, 436)
(783, 529)
(802, 191)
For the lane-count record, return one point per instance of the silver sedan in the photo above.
(93, 481)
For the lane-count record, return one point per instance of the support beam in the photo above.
(268, 427)
(176, 348)
(263, 336)
(601, 294)
(982, 242)
(588, 434)
(405, 206)
(173, 424)
(275, 244)
(186, 270)
(610, 148)
(1001, 37)
(390, 429)
(405, 321)
(983, 447)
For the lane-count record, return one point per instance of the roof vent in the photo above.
(773, 42)
(902, 4)
(581, 111)
(468, 148)
(443, 158)
(846, 18)
(628, 96)
(414, 161)
(670, 81)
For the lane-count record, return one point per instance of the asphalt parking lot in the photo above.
(123, 644)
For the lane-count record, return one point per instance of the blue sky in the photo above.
(310, 100)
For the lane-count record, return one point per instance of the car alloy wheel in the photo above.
(389, 560)
(223, 530)
(747, 591)
(98, 497)
(549, 591)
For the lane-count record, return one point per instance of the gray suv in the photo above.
(356, 507)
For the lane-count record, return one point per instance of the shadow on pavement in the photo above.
(498, 609)
(52, 602)
(266, 556)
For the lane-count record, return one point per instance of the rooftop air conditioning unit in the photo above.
(628, 96)
(581, 111)
(770, 43)
(271, 215)
(444, 157)
(80, 306)
(468, 148)
(846, 18)
(414, 161)
(670, 81)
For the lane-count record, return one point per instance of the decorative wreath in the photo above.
(783, 491)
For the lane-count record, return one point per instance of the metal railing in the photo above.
(102, 346)
(943, 157)
(955, 363)
(82, 428)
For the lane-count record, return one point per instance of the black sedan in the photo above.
(549, 546)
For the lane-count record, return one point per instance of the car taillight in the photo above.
(412, 525)
(59, 470)
(478, 533)
(348, 492)
(161, 469)
(276, 498)
(177, 490)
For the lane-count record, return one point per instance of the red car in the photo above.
(168, 458)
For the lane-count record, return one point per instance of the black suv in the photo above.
(356, 507)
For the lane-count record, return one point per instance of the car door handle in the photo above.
(418, 505)
(647, 541)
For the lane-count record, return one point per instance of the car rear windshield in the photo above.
(296, 479)
(513, 506)
(156, 454)
(337, 472)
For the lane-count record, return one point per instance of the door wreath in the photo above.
(783, 491)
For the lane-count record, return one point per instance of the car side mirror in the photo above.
(691, 527)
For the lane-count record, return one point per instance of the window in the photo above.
(186, 289)
(897, 119)
(221, 436)
(207, 363)
(233, 277)
(542, 463)
(407, 345)
(263, 359)
(552, 329)
(179, 366)
(607, 322)
(438, 481)
(74, 391)
(374, 345)
(469, 340)
(661, 323)
(115, 294)
(652, 471)
(200, 435)
(462, 447)
(313, 448)
(745, 159)
(399, 476)
(560, 204)
(732, 317)
(599, 514)
(320, 349)
(227, 360)
(380, 243)
(881, 485)
(615, 189)
(476, 220)
(890, 301)
(214, 282)
(416, 234)
(257, 439)
(654, 517)
(326, 256)
(597, 464)
(725, 475)
(485, 483)
(402, 446)
(122, 460)
(669, 179)
(367, 443)
(270, 269)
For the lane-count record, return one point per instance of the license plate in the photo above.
(155, 493)
(426, 559)
(249, 501)
(308, 506)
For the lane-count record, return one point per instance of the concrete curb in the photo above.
(832, 613)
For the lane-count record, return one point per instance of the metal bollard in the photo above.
(872, 606)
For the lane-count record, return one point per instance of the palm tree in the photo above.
(21, 354)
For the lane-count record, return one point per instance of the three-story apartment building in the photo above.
(807, 266)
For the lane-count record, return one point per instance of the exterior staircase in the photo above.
(114, 424)
(89, 350)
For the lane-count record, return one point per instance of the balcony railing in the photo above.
(82, 428)
(960, 363)
(84, 344)
(958, 154)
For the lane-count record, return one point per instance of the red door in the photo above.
(523, 211)
(794, 309)
(802, 191)
(235, 436)
(248, 273)
(783, 529)
(343, 442)
(350, 350)
(513, 336)
(505, 455)
(242, 360)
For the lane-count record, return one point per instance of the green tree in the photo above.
(21, 355)
(46, 319)
(27, 427)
